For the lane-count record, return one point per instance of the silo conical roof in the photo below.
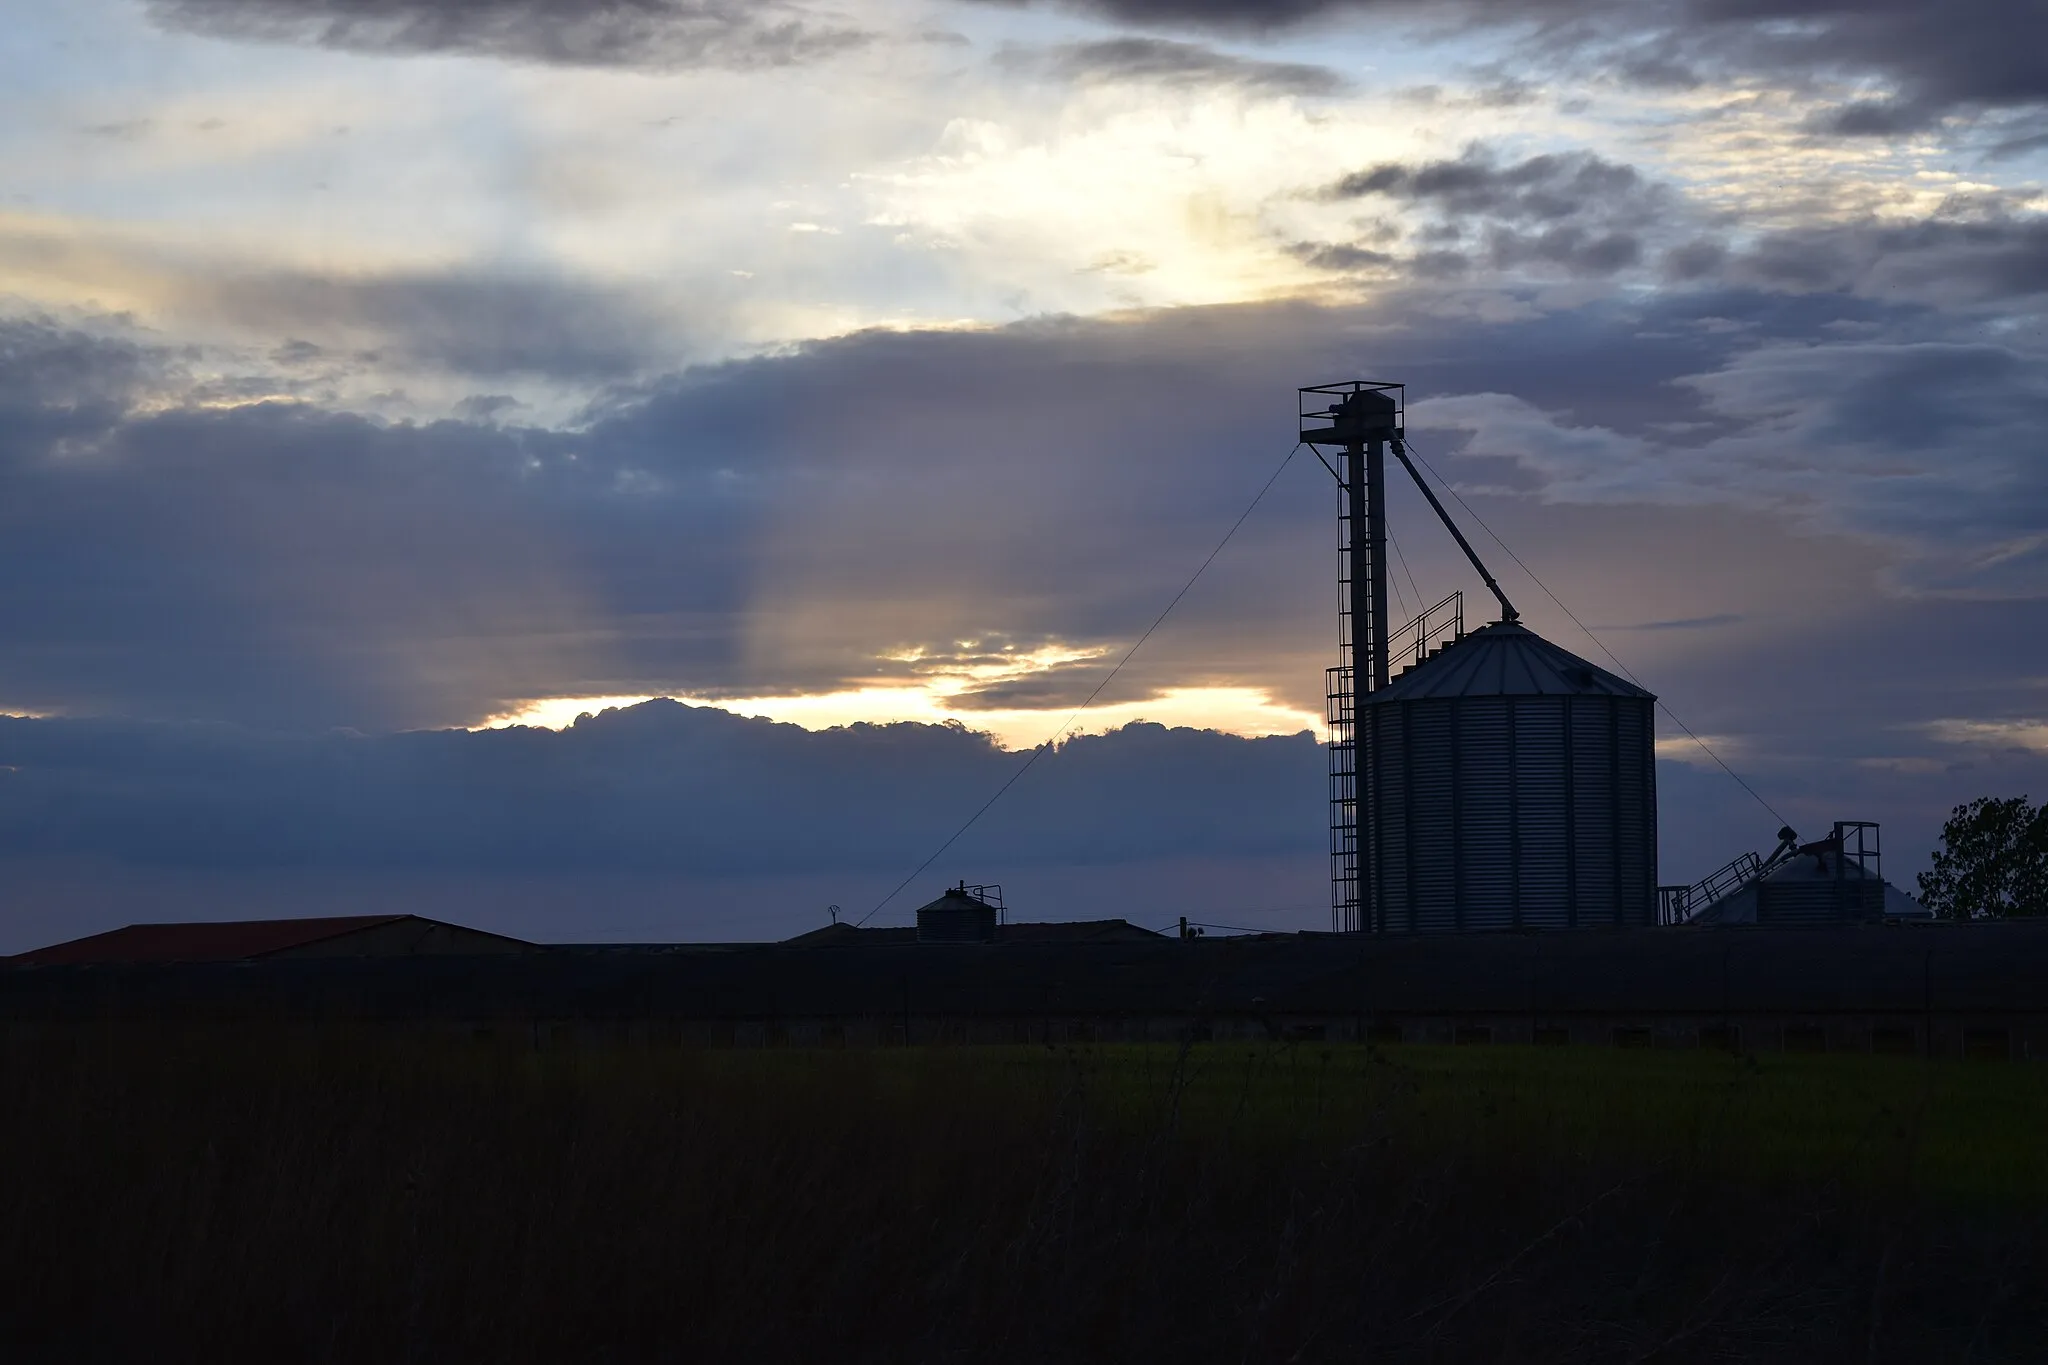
(1505, 659)
(955, 899)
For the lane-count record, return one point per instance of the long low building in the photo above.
(250, 940)
(1979, 989)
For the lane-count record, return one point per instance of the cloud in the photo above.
(658, 34)
(849, 512)
(1725, 618)
(1971, 253)
(1061, 686)
(322, 332)
(55, 378)
(2026, 734)
(1575, 212)
(1162, 61)
(652, 823)
(1915, 444)
(790, 524)
(1346, 258)
(474, 322)
(122, 130)
(1547, 188)
(655, 786)
(1968, 55)
(756, 528)
(1983, 53)
(1240, 15)
(798, 523)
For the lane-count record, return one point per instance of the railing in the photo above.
(990, 895)
(1677, 904)
(1442, 624)
(1858, 842)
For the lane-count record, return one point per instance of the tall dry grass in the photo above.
(245, 1196)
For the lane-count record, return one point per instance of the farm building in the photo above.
(1075, 931)
(248, 940)
(1939, 989)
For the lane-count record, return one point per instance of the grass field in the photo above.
(242, 1196)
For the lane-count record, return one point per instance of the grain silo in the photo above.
(1836, 880)
(965, 914)
(1498, 781)
(1512, 785)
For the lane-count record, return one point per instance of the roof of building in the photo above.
(1815, 863)
(1075, 931)
(957, 899)
(1505, 659)
(204, 941)
(1962, 968)
(1072, 931)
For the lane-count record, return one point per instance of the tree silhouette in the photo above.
(1993, 861)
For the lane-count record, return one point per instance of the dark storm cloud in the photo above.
(757, 527)
(776, 524)
(655, 786)
(67, 377)
(787, 523)
(1997, 258)
(287, 565)
(1904, 434)
(1968, 54)
(1882, 428)
(659, 34)
(1986, 53)
(1165, 62)
(1574, 212)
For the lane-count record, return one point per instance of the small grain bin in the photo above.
(1834, 880)
(959, 916)
(1510, 785)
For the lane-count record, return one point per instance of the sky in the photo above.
(385, 384)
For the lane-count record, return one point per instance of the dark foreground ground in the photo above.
(232, 1196)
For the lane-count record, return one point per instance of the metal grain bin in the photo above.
(1819, 888)
(956, 917)
(1511, 784)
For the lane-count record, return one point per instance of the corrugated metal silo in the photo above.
(1819, 885)
(1512, 784)
(959, 916)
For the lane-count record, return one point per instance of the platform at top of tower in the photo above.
(1367, 414)
(1505, 659)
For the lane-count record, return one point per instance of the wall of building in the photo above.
(1947, 990)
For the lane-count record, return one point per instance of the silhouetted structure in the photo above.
(959, 916)
(244, 940)
(1513, 786)
(1066, 931)
(1498, 781)
(1835, 880)
(1941, 988)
